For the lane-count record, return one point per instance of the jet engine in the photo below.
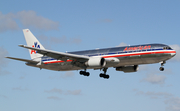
(127, 69)
(96, 62)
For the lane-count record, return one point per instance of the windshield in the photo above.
(167, 47)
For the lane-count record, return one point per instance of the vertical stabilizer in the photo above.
(32, 42)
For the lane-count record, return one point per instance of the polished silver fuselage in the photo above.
(127, 56)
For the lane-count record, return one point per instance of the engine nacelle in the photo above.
(128, 69)
(96, 62)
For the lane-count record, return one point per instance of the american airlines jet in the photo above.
(124, 59)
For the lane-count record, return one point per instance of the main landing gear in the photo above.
(104, 75)
(162, 64)
(84, 73)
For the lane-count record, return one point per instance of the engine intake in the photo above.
(96, 62)
(128, 69)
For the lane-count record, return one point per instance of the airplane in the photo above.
(126, 59)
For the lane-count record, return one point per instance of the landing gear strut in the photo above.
(162, 64)
(104, 75)
(84, 73)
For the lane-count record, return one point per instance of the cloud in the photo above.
(7, 22)
(65, 40)
(54, 98)
(43, 38)
(20, 89)
(68, 92)
(154, 95)
(172, 102)
(122, 44)
(177, 56)
(3, 96)
(155, 79)
(54, 91)
(30, 18)
(152, 75)
(143, 67)
(73, 92)
(3, 54)
(22, 77)
(3, 61)
(60, 40)
(26, 19)
(67, 74)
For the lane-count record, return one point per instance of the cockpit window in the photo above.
(167, 47)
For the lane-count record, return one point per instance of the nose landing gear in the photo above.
(162, 64)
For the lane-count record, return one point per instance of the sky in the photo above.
(73, 25)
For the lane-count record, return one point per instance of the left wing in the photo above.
(24, 60)
(58, 55)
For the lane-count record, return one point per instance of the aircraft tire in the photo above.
(106, 77)
(161, 68)
(87, 74)
(101, 75)
(81, 72)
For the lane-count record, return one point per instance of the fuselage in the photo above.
(121, 56)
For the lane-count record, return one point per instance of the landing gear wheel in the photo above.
(104, 76)
(81, 72)
(87, 74)
(84, 73)
(161, 68)
(101, 75)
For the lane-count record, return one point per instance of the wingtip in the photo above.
(21, 45)
(9, 57)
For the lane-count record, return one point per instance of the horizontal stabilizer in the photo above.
(25, 60)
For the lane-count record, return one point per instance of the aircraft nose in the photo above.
(173, 54)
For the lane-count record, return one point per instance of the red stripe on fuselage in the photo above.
(120, 55)
(49, 62)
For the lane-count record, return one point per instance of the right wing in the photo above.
(58, 55)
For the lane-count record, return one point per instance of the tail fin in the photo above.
(32, 42)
